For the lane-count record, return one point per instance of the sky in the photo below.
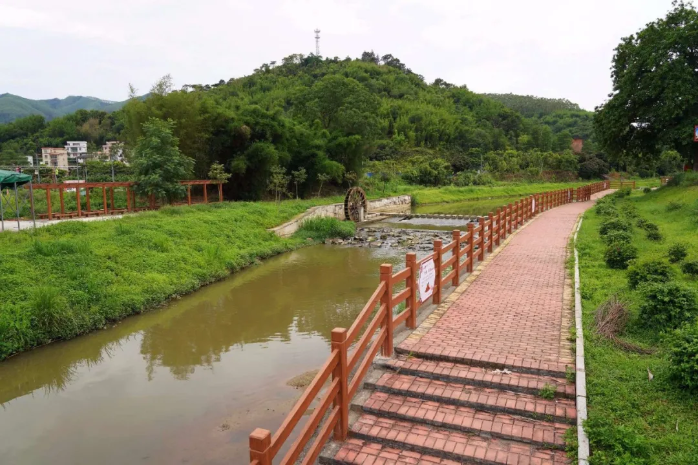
(547, 48)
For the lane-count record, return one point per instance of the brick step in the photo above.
(477, 376)
(467, 420)
(534, 367)
(375, 438)
(480, 398)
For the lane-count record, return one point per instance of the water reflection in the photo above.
(151, 380)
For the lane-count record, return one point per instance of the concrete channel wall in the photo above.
(400, 203)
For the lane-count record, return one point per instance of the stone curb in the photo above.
(581, 381)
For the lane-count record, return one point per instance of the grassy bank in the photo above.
(73, 277)
(633, 420)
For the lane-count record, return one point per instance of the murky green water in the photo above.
(186, 383)
(469, 207)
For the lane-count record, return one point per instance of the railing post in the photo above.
(260, 446)
(77, 199)
(509, 215)
(411, 259)
(104, 199)
(490, 232)
(48, 202)
(456, 252)
(483, 237)
(470, 236)
(499, 226)
(387, 300)
(188, 194)
(339, 342)
(438, 245)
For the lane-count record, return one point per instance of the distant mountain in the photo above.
(14, 106)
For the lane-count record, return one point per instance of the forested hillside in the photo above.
(335, 118)
(13, 107)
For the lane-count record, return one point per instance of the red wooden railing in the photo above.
(345, 370)
(109, 207)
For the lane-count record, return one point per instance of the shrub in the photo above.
(617, 236)
(674, 206)
(464, 178)
(606, 209)
(646, 190)
(615, 224)
(690, 268)
(321, 228)
(483, 179)
(667, 305)
(654, 235)
(648, 226)
(641, 222)
(684, 356)
(629, 210)
(677, 253)
(619, 254)
(654, 271)
(624, 192)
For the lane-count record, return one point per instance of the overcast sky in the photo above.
(548, 48)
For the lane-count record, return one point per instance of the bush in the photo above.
(606, 209)
(624, 192)
(686, 179)
(667, 305)
(684, 356)
(674, 206)
(615, 224)
(617, 236)
(321, 228)
(677, 253)
(619, 254)
(629, 210)
(648, 226)
(641, 222)
(464, 178)
(690, 268)
(654, 235)
(484, 179)
(654, 271)
(646, 190)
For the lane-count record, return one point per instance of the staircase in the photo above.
(427, 409)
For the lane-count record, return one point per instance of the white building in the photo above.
(113, 150)
(77, 151)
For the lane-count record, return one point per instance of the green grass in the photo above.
(321, 228)
(73, 277)
(633, 420)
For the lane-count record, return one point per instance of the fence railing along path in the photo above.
(345, 369)
(108, 205)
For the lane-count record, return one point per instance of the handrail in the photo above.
(332, 413)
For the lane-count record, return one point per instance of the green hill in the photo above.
(13, 107)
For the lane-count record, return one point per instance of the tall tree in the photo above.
(158, 162)
(654, 104)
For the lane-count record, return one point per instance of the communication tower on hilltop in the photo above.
(317, 42)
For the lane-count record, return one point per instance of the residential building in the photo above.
(54, 156)
(77, 151)
(113, 150)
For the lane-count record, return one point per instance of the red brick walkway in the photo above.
(466, 389)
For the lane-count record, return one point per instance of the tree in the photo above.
(654, 104)
(299, 176)
(323, 178)
(278, 182)
(158, 162)
(217, 173)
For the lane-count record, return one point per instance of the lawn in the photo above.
(73, 277)
(633, 420)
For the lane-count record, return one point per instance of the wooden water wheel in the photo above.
(355, 204)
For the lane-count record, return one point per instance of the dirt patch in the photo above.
(303, 380)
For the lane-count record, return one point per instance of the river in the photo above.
(186, 383)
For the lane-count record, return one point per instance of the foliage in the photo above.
(685, 179)
(690, 268)
(617, 236)
(299, 176)
(677, 252)
(646, 190)
(217, 173)
(547, 391)
(667, 305)
(654, 271)
(428, 172)
(615, 444)
(619, 254)
(530, 106)
(615, 224)
(674, 206)
(158, 163)
(278, 182)
(631, 124)
(684, 356)
(654, 235)
(321, 228)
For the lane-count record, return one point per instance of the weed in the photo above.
(570, 374)
(547, 391)
(674, 206)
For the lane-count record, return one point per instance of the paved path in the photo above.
(465, 388)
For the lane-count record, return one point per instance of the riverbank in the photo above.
(639, 411)
(74, 277)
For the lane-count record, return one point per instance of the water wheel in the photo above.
(355, 204)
